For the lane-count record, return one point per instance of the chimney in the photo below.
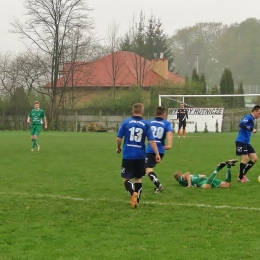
(160, 66)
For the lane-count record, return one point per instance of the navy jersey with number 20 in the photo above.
(160, 127)
(134, 130)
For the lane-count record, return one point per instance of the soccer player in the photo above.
(204, 182)
(135, 130)
(162, 129)
(36, 118)
(182, 115)
(243, 146)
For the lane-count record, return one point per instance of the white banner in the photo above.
(199, 119)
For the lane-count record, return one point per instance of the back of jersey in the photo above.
(160, 127)
(134, 130)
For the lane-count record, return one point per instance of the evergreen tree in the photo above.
(195, 75)
(227, 87)
(203, 83)
(148, 40)
(240, 101)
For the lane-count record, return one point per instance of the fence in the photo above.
(78, 120)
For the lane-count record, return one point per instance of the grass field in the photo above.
(67, 201)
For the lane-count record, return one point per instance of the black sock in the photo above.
(138, 189)
(129, 186)
(154, 179)
(248, 166)
(241, 170)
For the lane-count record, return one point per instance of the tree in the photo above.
(49, 25)
(114, 67)
(227, 87)
(195, 47)
(240, 101)
(148, 40)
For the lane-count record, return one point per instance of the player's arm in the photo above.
(28, 120)
(186, 112)
(202, 176)
(45, 122)
(169, 141)
(245, 126)
(155, 149)
(178, 114)
(186, 176)
(118, 144)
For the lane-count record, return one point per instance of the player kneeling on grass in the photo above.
(202, 181)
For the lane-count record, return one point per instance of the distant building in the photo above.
(88, 81)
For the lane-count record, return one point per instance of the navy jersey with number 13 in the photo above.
(134, 130)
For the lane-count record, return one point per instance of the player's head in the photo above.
(160, 111)
(138, 109)
(177, 175)
(256, 111)
(181, 105)
(36, 104)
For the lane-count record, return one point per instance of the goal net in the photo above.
(209, 113)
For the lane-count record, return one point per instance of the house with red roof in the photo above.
(121, 70)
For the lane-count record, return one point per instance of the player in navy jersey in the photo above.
(162, 129)
(135, 130)
(182, 115)
(243, 146)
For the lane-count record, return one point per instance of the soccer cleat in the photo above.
(32, 150)
(38, 148)
(247, 180)
(159, 189)
(231, 162)
(241, 180)
(179, 137)
(221, 165)
(134, 198)
(184, 136)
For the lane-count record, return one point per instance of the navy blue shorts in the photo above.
(150, 161)
(244, 149)
(132, 168)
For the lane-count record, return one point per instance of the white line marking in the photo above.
(143, 202)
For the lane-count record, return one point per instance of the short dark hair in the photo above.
(160, 111)
(256, 108)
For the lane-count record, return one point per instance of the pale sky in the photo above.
(174, 15)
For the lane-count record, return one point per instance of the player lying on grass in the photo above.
(202, 181)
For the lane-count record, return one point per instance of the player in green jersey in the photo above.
(202, 181)
(36, 118)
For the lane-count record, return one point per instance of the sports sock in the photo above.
(248, 166)
(212, 176)
(33, 143)
(241, 170)
(138, 189)
(154, 179)
(228, 173)
(129, 186)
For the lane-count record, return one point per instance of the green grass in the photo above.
(68, 202)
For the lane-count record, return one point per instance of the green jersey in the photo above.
(197, 181)
(194, 178)
(37, 116)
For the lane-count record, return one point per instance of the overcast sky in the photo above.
(174, 15)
